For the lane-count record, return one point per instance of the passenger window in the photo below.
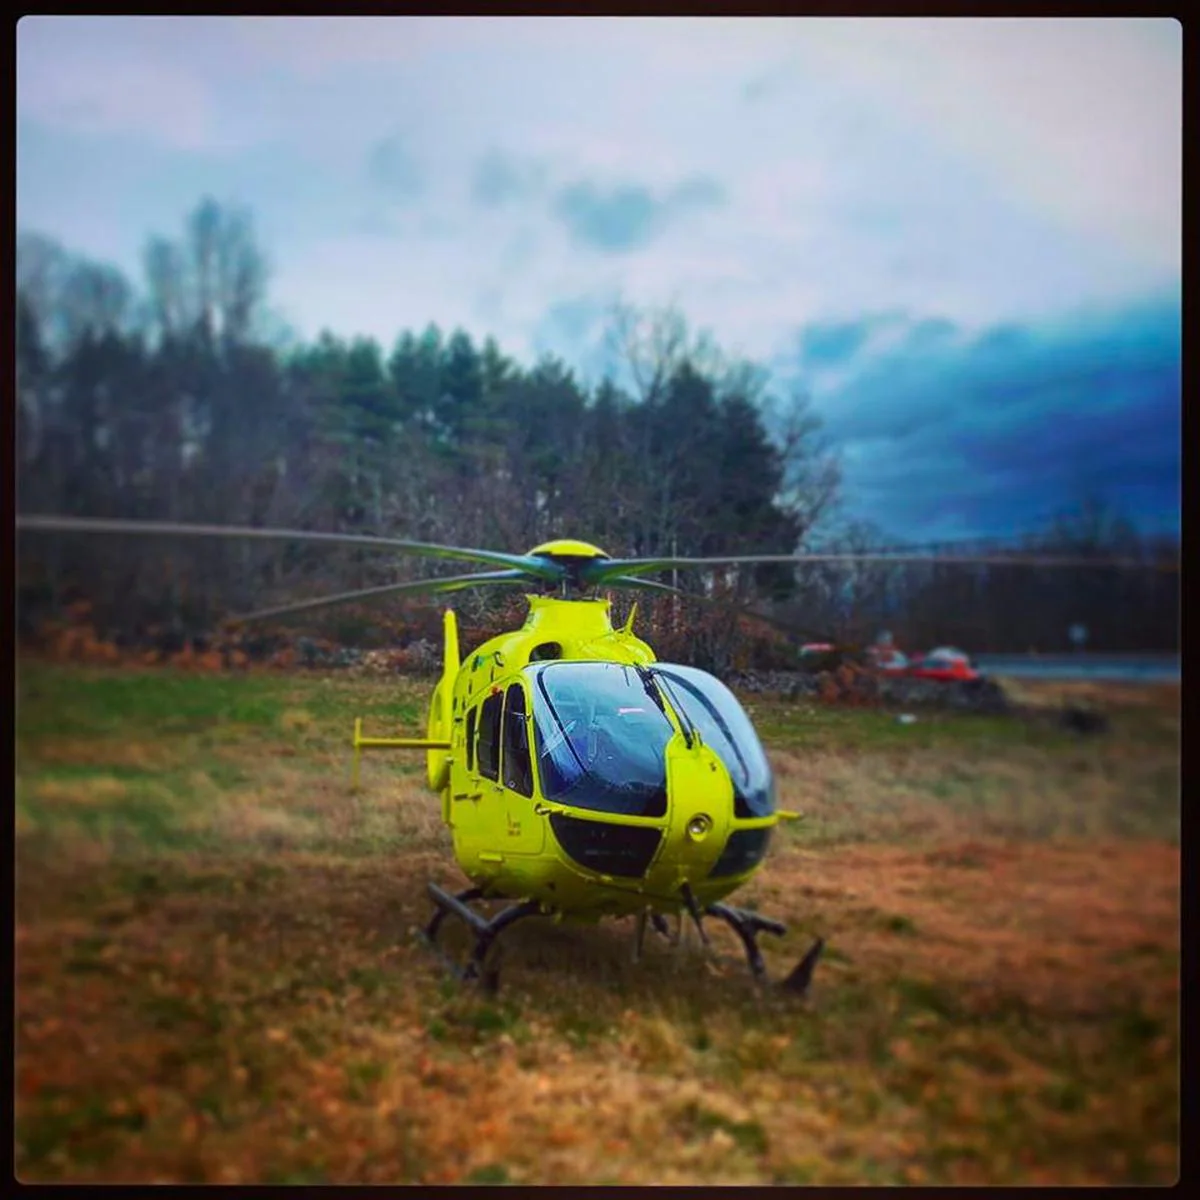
(518, 771)
(489, 736)
(471, 738)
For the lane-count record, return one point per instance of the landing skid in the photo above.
(746, 924)
(486, 932)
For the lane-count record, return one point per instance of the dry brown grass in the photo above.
(1044, 693)
(217, 976)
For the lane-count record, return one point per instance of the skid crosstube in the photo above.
(485, 931)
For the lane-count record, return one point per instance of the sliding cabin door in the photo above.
(525, 832)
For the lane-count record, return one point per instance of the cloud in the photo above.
(765, 85)
(392, 169)
(700, 191)
(931, 332)
(629, 216)
(315, 46)
(1080, 119)
(832, 343)
(102, 85)
(499, 178)
(575, 319)
(951, 435)
(621, 219)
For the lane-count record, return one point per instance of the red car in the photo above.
(944, 663)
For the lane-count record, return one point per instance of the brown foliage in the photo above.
(79, 643)
(850, 685)
(184, 659)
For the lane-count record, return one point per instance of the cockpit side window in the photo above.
(713, 709)
(488, 752)
(518, 771)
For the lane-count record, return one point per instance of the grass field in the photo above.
(217, 976)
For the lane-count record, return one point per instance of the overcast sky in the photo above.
(961, 237)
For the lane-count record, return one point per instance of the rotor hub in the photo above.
(570, 557)
(567, 548)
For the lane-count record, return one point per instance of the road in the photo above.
(1117, 668)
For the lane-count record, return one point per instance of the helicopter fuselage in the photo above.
(576, 776)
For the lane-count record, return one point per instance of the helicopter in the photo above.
(580, 778)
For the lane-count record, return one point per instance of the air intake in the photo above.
(625, 850)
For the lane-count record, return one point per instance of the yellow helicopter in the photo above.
(579, 777)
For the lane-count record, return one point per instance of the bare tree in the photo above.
(650, 345)
(812, 468)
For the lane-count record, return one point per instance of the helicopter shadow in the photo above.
(543, 956)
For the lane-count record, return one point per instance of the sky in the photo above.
(959, 238)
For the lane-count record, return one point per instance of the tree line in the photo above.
(178, 400)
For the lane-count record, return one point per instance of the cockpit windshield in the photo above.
(600, 733)
(601, 729)
(711, 708)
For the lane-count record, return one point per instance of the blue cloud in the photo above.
(392, 169)
(629, 216)
(832, 343)
(952, 436)
(622, 219)
(574, 319)
(499, 177)
(767, 84)
(698, 191)
(930, 332)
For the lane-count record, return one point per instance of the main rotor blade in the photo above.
(451, 583)
(653, 585)
(600, 571)
(539, 567)
(739, 609)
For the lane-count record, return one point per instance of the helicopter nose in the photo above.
(700, 808)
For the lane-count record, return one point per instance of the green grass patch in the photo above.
(699, 1121)
(923, 996)
(362, 1076)
(826, 727)
(50, 698)
(88, 1131)
(490, 1173)
(582, 1028)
